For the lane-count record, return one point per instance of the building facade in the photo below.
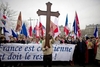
(89, 30)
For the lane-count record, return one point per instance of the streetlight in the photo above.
(70, 27)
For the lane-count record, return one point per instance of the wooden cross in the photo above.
(48, 13)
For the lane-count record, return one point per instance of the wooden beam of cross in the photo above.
(48, 13)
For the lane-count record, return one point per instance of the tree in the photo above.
(5, 8)
(10, 13)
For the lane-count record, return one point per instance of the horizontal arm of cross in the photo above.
(55, 14)
(40, 12)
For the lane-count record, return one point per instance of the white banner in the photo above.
(33, 52)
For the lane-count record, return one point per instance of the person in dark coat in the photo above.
(70, 40)
(81, 51)
(3, 40)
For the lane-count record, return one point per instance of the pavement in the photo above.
(55, 64)
(63, 66)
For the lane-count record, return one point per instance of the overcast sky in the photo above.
(88, 10)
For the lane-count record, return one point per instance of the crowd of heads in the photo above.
(58, 40)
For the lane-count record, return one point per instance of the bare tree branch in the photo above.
(10, 13)
(5, 8)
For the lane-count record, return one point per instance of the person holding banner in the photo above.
(47, 53)
(2, 40)
(98, 52)
(21, 39)
(70, 40)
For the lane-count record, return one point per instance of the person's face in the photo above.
(69, 38)
(12, 39)
(98, 40)
(88, 40)
(72, 39)
(18, 38)
(3, 38)
(80, 39)
(34, 40)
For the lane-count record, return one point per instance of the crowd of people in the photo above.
(87, 49)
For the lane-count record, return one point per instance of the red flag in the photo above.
(19, 23)
(30, 30)
(78, 26)
(53, 28)
(56, 23)
(4, 17)
(37, 30)
(41, 28)
(56, 30)
(3, 20)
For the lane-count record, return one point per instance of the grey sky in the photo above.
(88, 10)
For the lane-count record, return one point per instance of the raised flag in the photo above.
(78, 26)
(3, 20)
(96, 32)
(73, 35)
(66, 29)
(41, 28)
(34, 30)
(14, 34)
(19, 23)
(30, 30)
(52, 28)
(56, 30)
(37, 29)
(7, 33)
(6, 26)
(75, 27)
(24, 30)
(44, 30)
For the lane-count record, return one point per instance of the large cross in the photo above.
(48, 13)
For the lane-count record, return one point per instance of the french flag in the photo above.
(75, 27)
(74, 33)
(7, 33)
(14, 34)
(66, 29)
(96, 32)
(24, 30)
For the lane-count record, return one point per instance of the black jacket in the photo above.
(83, 46)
